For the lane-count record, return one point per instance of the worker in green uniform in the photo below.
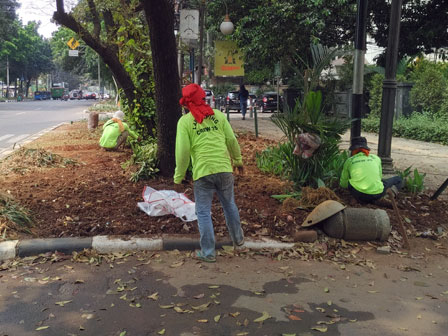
(205, 137)
(116, 132)
(362, 174)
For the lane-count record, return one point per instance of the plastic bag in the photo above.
(166, 202)
(306, 144)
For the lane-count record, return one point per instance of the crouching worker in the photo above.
(205, 136)
(362, 174)
(116, 132)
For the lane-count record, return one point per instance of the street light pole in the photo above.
(358, 68)
(389, 89)
(7, 76)
(201, 40)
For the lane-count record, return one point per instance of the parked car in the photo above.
(90, 95)
(232, 101)
(268, 102)
(252, 100)
(210, 98)
(75, 94)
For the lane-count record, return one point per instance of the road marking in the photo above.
(17, 138)
(39, 108)
(20, 113)
(6, 136)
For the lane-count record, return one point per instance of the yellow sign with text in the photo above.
(229, 60)
(72, 43)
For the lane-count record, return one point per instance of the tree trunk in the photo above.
(160, 17)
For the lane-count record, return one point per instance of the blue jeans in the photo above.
(243, 107)
(204, 189)
(366, 198)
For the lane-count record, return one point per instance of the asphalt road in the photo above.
(169, 293)
(20, 121)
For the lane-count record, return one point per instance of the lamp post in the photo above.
(201, 40)
(358, 69)
(389, 89)
(226, 26)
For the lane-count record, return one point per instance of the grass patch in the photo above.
(13, 216)
(103, 106)
(25, 158)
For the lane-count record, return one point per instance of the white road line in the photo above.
(17, 138)
(39, 108)
(6, 136)
(20, 113)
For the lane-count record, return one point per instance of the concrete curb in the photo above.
(109, 244)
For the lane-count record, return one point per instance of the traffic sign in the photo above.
(73, 53)
(72, 43)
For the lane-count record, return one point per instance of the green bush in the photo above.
(376, 93)
(413, 183)
(430, 81)
(143, 160)
(419, 126)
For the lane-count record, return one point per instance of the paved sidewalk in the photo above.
(428, 158)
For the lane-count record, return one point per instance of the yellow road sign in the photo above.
(72, 43)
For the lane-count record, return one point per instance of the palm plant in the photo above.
(307, 117)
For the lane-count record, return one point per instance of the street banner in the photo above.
(229, 60)
(189, 24)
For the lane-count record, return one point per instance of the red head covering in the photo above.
(193, 99)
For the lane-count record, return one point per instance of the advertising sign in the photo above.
(229, 60)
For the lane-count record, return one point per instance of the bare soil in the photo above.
(95, 196)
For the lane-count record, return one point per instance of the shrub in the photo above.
(413, 183)
(418, 126)
(324, 165)
(143, 162)
(376, 93)
(429, 89)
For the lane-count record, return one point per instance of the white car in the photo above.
(210, 98)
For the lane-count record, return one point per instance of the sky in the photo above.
(33, 10)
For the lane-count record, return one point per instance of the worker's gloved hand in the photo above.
(240, 170)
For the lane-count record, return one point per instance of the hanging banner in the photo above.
(229, 60)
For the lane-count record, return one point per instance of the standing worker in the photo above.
(205, 136)
(115, 132)
(362, 174)
(243, 95)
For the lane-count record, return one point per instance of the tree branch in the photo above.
(95, 19)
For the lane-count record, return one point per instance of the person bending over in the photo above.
(115, 132)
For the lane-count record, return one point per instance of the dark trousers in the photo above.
(367, 198)
(243, 109)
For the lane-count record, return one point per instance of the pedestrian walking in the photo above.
(205, 137)
(243, 95)
(362, 174)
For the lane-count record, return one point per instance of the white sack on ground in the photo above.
(166, 202)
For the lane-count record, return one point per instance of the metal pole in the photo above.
(256, 121)
(358, 68)
(278, 94)
(228, 113)
(99, 77)
(7, 76)
(389, 89)
(192, 65)
(201, 39)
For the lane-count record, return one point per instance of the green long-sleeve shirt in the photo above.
(364, 174)
(111, 132)
(212, 146)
